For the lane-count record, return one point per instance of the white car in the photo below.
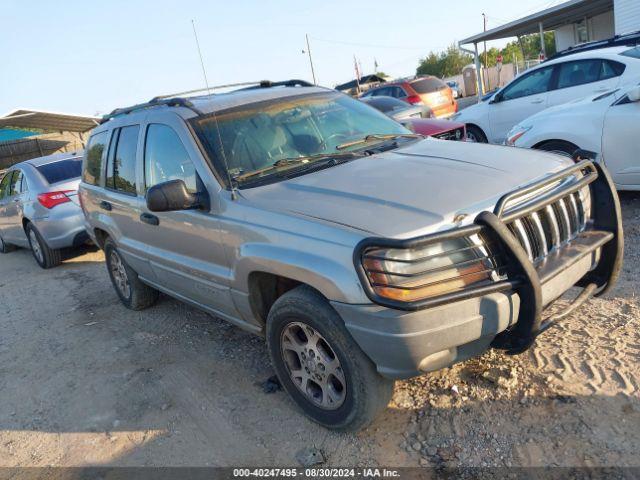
(553, 82)
(607, 124)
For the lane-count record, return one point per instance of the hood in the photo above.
(433, 126)
(408, 191)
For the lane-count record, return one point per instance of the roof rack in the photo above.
(177, 100)
(629, 39)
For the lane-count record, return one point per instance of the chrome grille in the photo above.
(550, 227)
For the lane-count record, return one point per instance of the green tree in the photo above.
(445, 64)
(452, 61)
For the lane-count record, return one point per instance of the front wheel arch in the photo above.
(560, 147)
(480, 132)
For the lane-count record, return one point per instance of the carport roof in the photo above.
(551, 18)
(49, 121)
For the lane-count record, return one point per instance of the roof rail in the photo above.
(629, 39)
(177, 100)
(170, 102)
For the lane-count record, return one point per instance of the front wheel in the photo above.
(319, 364)
(474, 134)
(559, 147)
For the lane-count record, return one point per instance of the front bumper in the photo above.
(408, 339)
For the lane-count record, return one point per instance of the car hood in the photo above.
(409, 191)
(433, 126)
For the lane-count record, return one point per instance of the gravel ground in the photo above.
(86, 382)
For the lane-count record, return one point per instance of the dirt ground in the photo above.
(83, 381)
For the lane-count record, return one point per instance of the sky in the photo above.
(89, 57)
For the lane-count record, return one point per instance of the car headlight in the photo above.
(515, 133)
(413, 274)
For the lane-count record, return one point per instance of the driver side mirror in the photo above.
(497, 98)
(171, 196)
(634, 94)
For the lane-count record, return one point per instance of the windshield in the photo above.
(276, 135)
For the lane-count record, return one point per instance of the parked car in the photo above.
(557, 81)
(39, 207)
(418, 119)
(455, 89)
(425, 90)
(607, 124)
(362, 252)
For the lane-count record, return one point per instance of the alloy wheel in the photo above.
(119, 274)
(35, 246)
(313, 365)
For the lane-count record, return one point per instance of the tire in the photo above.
(5, 247)
(559, 147)
(359, 392)
(474, 134)
(45, 257)
(134, 294)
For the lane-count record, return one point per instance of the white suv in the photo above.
(554, 82)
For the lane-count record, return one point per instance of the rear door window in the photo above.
(572, 74)
(16, 180)
(428, 85)
(93, 168)
(611, 69)
(61, 170)
(121, 167)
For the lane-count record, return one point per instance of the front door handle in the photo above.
(150, 219)
(106, 206)
(540, 100)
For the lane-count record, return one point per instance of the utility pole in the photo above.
(313, 73)
(484, 29)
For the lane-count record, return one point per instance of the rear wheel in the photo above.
(475, 134)
(134, 294)
(5, 247)
(559, 147)
(321, 367)
(45, 257)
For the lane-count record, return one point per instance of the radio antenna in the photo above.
(234, 195)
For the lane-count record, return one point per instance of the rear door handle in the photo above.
(106, 206)
(150, 219)
(540, 100)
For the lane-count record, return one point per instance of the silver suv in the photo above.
(362, 252)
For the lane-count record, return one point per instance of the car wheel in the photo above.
(320, 365)
(474, 134)
(134, 294)
(5, 247)
(559, 147)
(45, 257)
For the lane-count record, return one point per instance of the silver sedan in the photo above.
(39, 207)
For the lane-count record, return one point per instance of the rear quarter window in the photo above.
(61, 170)
(428, 85)
(632, 52)
(94, 158)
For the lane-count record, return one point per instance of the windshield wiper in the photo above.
(377, 136)
(291, 162)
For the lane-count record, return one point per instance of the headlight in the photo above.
(409, 275)
(515, 133)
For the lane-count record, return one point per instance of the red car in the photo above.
(425, 90)
(416, 118)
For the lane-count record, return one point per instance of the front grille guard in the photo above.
(521, 274)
